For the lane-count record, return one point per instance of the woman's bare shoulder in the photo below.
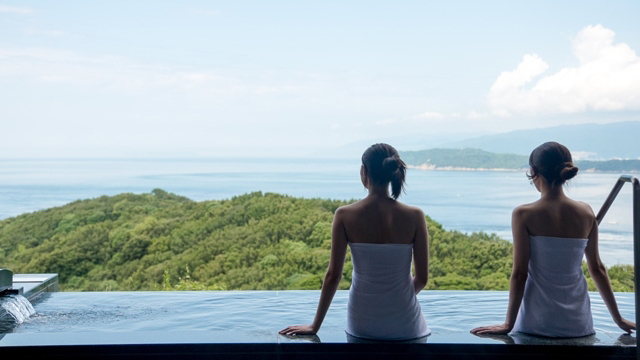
(411, 211)
(348, 210)
(583, 209)
(525, 210)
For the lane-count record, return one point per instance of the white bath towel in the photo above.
(382, 301)
(556, 302)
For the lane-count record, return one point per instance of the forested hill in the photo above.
(464, 158)
(162, 241)
(470, 159)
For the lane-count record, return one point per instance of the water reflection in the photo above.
(504, 338)
(352, 339)
(625, 339)
(526, 339)
(303, 338)
(255, 316)
(357, 340)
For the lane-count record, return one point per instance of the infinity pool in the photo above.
(256, 316)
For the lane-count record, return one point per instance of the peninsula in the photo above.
(479, 160)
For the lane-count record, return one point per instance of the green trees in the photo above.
(161, 241)
(465, 158)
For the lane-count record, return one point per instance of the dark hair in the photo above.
(553, 161)
(384, 166)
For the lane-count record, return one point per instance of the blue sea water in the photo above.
(467, 201)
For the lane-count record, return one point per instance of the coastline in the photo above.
(433, 167)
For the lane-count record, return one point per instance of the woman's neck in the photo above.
(378, 192)
(552, 192)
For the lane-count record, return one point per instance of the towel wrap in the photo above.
(382, 300)
(555, 302)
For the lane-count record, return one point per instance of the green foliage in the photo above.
(467, 158)
(186, 284)
(609, 165)
(255, 242)
(621, 277)
(467, 262)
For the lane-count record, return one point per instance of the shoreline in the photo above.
(433, 167)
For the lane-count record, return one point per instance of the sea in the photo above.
(466, 201)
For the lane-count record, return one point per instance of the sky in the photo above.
(139, 79)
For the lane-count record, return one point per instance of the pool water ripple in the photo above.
(450, 314)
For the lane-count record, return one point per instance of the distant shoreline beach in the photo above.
(433, 167)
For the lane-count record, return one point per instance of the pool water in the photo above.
(76, 318)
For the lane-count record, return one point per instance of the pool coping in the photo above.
(34, 285)
(334, 351)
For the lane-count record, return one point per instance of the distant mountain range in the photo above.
(476, 159)
(586, 141)
(414, 141)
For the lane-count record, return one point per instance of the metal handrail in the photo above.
(636, 235)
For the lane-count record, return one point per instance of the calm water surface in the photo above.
(467, 201)
(258, 315)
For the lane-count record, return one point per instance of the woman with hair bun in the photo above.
(548, 291)
(384, 236)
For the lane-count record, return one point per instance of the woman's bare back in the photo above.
(562, 217)
(385, 221)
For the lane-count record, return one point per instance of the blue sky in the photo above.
(285, 78)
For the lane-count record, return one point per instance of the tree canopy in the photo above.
(162, 241)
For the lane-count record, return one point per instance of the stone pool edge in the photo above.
(334, 351)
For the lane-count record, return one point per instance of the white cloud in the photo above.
(118, 74)
(390, 121)
(474, 115)
(15, 9)
(607, 78)
(269, 90)
(429, 115)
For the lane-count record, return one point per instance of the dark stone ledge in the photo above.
(310, 351)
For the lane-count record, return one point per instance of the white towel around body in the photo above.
(382, 300)
(556, 302)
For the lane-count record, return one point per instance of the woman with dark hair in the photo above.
(548, 291)
(384, 236)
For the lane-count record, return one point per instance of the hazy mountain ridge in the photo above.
(477, 159)
(586, 141)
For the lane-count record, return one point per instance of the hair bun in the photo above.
(391, 164)
(568, 170)
(383, 167)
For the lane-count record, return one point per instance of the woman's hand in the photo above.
(493, 329)
(298, 330)
(627, 325)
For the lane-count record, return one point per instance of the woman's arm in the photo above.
(599, 275)
(518, 275)
(331, 279)
(421, 253)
